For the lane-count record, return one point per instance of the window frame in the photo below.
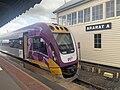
(69, 19)
(110, 8)
(60, 20)
(97, 12)
(74, 18)
(64, 20)
(81, 16)
(87, 13)
(117, 8)
(98, 41)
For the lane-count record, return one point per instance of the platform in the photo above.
(7, 83)
(24, 79)
(12, 78)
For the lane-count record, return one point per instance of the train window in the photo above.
(36, 43)
(65, 28)
(61, 28)
(57, 27)
(43, 46)
(5, 42)
(20, 43)
(65, 43)
(51, 27)
(11, 43)
(16, 43)
(39, 45)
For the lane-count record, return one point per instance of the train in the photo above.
(49, 45)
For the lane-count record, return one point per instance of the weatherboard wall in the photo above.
(109, 53)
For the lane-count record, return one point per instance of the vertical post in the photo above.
(79, 51)
(65, 1)
(93, 69)
(117, 75)
(99, 71)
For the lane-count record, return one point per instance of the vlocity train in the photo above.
(51, 46)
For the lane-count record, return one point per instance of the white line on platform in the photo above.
(1, 69)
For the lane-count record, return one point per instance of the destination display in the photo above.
(102, 26)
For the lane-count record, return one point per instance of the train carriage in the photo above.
(51, 46)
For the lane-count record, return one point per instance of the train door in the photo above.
(25, 45)
(39, 52)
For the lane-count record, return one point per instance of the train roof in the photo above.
(55, 28)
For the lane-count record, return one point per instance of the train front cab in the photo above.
(66, 47)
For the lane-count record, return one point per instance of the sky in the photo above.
(40, 13)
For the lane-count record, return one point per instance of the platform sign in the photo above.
(103, 26)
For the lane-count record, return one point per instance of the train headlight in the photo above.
(54, 56)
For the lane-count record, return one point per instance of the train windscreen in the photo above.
(65, 43)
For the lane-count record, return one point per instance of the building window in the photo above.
(74, 18)
(97, 40)
(80, 16)
(118, 7)
(69, 19)
(110, 9)
(87, 15)
(60, 20)
(64, 20)
(97, 12)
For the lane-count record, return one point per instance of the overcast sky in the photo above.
(40, 13)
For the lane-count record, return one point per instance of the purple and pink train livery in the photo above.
(49, 45)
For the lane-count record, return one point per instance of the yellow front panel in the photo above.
(54, 68)
(39, 63)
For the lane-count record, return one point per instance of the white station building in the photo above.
(96, 25)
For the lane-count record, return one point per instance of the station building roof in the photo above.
(70, 4)
(9, 9)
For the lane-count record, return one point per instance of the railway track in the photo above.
(90, 86)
